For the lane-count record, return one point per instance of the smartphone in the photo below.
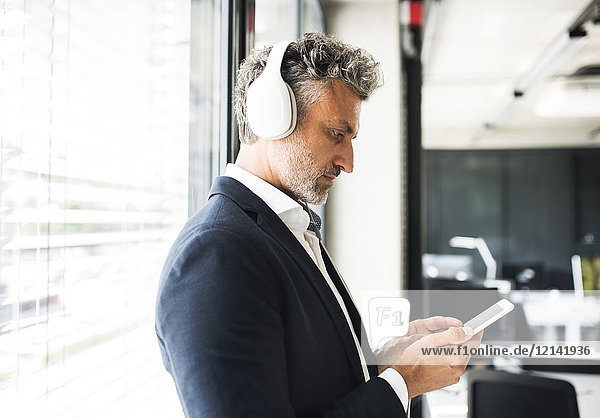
(490, 315)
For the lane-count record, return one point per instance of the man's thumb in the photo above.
(453, 335)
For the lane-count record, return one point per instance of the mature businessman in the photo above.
(252, 317)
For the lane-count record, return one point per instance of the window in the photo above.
(283, 19)
(94, 129)
(206, 150)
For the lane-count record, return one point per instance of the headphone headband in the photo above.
(276, 56)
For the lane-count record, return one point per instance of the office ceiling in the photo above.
(477, 53)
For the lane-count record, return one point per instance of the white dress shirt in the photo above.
(297, 220)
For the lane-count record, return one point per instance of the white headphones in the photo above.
(270, 102)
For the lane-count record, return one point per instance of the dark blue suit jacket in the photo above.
(247, 325)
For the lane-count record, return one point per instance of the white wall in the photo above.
(364, 211)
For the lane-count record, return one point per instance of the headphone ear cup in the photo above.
(271, 107)
(270, 102)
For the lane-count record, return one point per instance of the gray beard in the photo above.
(299, 172)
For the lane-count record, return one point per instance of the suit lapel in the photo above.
(269, 222)
(280, 233)
(357, 323)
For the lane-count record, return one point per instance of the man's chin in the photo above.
(318, 198)
(316, 195)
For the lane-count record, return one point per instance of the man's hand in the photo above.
(424, 372)
(391, 352)
(430, 325)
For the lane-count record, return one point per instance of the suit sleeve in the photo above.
(221, 334)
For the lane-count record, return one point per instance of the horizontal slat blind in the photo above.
(93, 188)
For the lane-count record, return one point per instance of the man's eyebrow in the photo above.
(343, 124)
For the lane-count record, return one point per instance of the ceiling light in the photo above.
(570, 99)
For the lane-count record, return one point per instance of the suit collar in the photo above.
(271, 195)
(240, 194)
(289, 210)
(265, 218)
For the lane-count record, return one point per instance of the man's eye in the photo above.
(338, 136)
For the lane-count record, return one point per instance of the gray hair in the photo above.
(309, 65)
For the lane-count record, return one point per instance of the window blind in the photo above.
(94, 122)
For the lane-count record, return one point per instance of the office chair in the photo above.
(496, 394)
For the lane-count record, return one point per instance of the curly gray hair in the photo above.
(308, 67)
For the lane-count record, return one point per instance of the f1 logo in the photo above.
(388, 318)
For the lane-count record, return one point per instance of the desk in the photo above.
(450, 402)
(548, 311)
(553, 309)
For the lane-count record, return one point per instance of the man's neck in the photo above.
(253, 158)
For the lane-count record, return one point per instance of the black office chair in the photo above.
(496, 394)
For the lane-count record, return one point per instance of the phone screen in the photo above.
(484, 317)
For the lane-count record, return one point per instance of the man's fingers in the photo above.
(445, 322)
(394, 348)
(434, 323)
(477, 337)
(475, 340)
(412, 338)
(453, 335)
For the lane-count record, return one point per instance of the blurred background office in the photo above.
(477, 166)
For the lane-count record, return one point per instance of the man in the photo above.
(252, 317)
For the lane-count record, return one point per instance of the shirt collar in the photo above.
(288, 210)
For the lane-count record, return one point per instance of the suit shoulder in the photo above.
(222, 213)
(221, 228)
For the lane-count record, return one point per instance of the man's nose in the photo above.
(345, 157)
